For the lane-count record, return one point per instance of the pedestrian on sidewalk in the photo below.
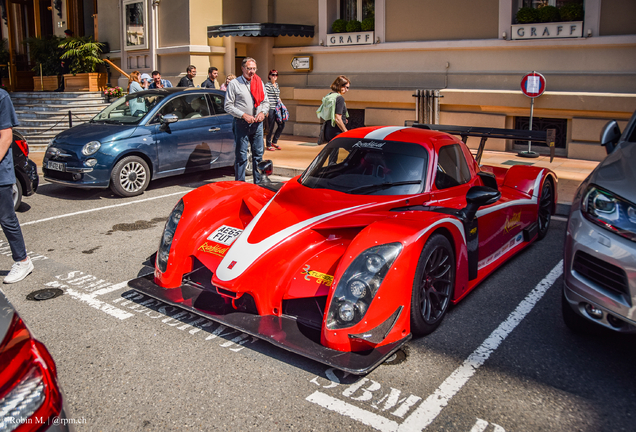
(228, 78)
(22, 266)
(134, 82)
(275, 104)
(245, 100)
(211, 82)
(333, 109)
(145, 81)
(158, 82)
(186, 81)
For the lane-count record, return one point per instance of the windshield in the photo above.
(129, 109)
(364, 167)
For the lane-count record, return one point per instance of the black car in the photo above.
(26, 171)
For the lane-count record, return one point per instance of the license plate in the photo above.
(225, 235)
(56, 166)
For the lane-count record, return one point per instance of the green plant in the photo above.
(572, 12)
(549, 14)
(339, 26)
(527, 15)
(83, 52)
(368, 24)
(44, 52)
(354, 26)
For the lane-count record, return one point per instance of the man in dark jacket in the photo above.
(186, 81)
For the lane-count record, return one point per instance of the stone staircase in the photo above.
(42, 115)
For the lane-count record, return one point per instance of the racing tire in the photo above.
(575, 322)
(249, 169)
(17, 194)
(130, 177)
(433, 285)
(544, 214)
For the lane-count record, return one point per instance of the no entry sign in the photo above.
(533, 85)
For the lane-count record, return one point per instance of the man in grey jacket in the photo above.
(245, 100)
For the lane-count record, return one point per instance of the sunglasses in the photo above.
(274, 75)
(347, 87)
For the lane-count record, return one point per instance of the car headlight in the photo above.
(91, 148)
(609, 211)
(168, 235)
(359, 284)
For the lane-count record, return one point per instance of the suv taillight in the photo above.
(28, 381)
(23, 146)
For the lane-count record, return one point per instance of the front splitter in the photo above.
(282, 332)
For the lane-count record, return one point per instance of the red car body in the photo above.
(277, 275)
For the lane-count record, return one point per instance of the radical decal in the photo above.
(214, 248)
(225, 235)
(371, 144)
(512, 222)
(320, 277)
(505, 248)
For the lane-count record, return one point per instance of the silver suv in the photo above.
(599, 286)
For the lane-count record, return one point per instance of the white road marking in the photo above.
(368, 418)
(428, 410)
(102, 208)
(433, 405)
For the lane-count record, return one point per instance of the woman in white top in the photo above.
(136, 107)
(272, 92)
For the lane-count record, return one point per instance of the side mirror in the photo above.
(169, 118)
(266, 167)
(610, 134)
(478, 196)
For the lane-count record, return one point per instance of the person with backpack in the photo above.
(334, 110)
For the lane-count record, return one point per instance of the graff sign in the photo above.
(356, 38)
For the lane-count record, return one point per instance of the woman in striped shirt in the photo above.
(273, 95)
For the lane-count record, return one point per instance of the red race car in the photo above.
(370, 245)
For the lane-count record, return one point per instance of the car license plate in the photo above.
(56, 166)
(225, 235)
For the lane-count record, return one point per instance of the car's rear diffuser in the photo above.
(283, 332)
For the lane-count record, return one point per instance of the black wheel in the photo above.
(575, 322)
(433, 285)
(17, 194)
(130, 177)
(249, 169)
(546, 202)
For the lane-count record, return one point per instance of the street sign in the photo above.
(303, 64)
(533, 85)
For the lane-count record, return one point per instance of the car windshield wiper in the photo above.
(384, 185)
(111, 121)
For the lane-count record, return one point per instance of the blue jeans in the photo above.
(245, 135)
(10, 224)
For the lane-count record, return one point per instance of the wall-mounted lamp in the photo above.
(377, 40)
(589, 33)
(504, 35)
(322, 43)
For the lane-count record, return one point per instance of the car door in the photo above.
(222, 125)
(186, 145)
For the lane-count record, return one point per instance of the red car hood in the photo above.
(291, 233)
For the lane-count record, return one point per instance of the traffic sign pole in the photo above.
(533, 86)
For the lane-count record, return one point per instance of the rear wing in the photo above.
(485, 132)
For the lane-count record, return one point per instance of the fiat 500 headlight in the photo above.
(168, 235)
(359, 284)
(91, 148)
(609, 211)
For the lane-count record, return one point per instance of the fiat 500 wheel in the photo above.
(130, 177)
(433, 285)
(546, 202)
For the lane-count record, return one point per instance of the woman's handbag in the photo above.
(322, 136)
(282, 115)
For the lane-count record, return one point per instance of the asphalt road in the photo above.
(502, 360)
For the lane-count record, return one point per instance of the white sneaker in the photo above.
(19, 270)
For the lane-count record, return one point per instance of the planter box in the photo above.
(355, 38)
(85, 82)
(48, 83)
(554, 30)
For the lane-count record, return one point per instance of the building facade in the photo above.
(474, 52)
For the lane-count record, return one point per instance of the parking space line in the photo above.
(102, 208)
(433, 405)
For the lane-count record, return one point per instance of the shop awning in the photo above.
(261, 29)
